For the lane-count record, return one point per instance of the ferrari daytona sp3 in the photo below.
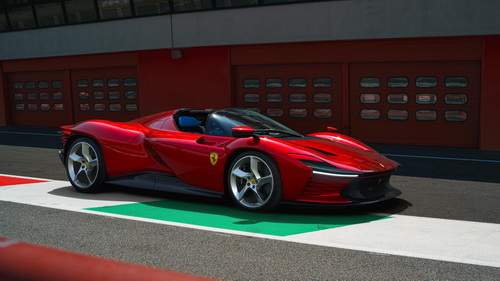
(252, 159)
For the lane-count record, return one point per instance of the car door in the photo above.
(195, 159)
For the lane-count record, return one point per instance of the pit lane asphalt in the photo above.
(438, 188)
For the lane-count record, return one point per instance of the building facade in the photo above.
(384, 71)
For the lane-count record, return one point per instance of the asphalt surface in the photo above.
(433, 186)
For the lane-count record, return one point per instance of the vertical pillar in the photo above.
(489, 138)
(4, 110)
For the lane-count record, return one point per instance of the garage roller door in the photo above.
(431, 103)
(40, 98)
(105, 93)
(305, 97)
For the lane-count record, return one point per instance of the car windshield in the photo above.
(221, 122)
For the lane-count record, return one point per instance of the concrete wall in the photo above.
(102, 37)
(338, 20)
(320, 21)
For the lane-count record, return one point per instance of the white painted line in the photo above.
(428, 238)
(61, 195)
(25, 177)
(442, 158)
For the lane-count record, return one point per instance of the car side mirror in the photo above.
(331, 129)
(242, 132)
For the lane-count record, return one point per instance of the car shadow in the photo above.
(221, 213)
(288, 220)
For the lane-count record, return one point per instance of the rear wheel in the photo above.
(254, 182)
(85, 165)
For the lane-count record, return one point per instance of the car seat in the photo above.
(190, 124)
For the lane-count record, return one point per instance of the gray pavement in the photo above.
(433, 186)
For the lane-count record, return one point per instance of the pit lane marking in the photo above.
(442, 158)
(466, 242)
(28, 133)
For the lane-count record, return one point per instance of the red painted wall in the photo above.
(200, 79)
(490, 100)
(3, 99)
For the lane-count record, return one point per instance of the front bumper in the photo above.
(364, 189)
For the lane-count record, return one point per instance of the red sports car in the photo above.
(256, 161)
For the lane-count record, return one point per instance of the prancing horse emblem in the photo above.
(213, 158)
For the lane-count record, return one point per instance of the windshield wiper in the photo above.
(278, 131)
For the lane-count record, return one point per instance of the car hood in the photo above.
(344, 156)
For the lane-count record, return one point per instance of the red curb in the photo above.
(28, 262)
(8, 180)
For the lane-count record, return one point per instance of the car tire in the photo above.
(85, 165)
(253, 182)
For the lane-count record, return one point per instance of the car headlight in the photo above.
(325, 169)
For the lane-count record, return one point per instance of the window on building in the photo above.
(236, 3)
(80, 11)
(130, 82)
(369, 98)
(426, 115)
(130, 95)
(397, 98)
(297, 82)
(274, 97)
(397, 114)
(56, 84)
(426, 82)
(191, 5)
(322, 82)
(98, 95)
(322, 97)
(370, 114)
(455, 99)
(397, 82)
(21, 14)
(322, 113)
(426, 98)
(279, 1)
(49, 13)
(151, 7)
(4, 25)
(131, 107)
(456, 82)
(252, 97)
(25, 14)
(82, 83)
(274, 112)
(273, 83)
(43, 84)
(298, 112)
(251, 83)
(297, 97)
(369, 82)
(114, 9)
(455, 115)
(57, 95)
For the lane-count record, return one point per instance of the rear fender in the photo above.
(108, 132)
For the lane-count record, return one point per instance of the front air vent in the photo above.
(322, 151)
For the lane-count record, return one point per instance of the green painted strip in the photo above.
(224, 217)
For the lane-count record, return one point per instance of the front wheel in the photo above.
(85, 165)
(254, 182)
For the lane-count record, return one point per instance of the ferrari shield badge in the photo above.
(213, 158)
